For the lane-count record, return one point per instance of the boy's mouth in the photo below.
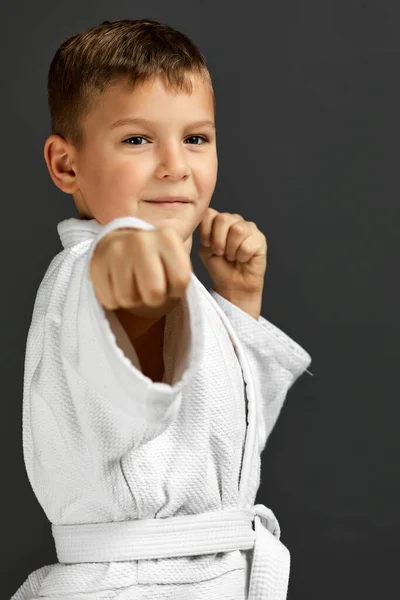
(168, 204)
(170, 199)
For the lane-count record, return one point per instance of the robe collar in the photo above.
(73, 231)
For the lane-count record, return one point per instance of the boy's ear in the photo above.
(59, 157)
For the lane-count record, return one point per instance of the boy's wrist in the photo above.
(249, 303)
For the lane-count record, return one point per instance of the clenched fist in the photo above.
(144, 272)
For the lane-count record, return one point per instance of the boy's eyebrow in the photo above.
(129, 121)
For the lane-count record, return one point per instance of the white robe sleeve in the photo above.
(276, 361)
(89, 342)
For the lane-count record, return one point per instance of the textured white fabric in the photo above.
(103, 443)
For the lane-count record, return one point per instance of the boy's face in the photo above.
(117, 171)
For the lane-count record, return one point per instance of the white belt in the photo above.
(186, 535)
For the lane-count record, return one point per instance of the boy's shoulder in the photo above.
(57, 276)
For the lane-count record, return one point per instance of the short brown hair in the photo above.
(89, 63)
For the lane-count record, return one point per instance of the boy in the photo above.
(148, 399)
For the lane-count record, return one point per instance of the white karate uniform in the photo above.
(104, 444)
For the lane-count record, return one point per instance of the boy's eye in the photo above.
(140, 137)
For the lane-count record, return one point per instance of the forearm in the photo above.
(250, 304)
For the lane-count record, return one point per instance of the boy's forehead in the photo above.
(123, 100)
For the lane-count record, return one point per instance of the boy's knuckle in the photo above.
(106, 301)
(138, 240)
(156, 292)
(115, 250)
(237, 227)
(168, 234)
(224, 217)
(181, 281)
(111, 306)
(125, 301)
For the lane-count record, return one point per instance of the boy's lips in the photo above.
(172, 199)
(168, 204)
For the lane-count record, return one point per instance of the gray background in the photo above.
(307, 131)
